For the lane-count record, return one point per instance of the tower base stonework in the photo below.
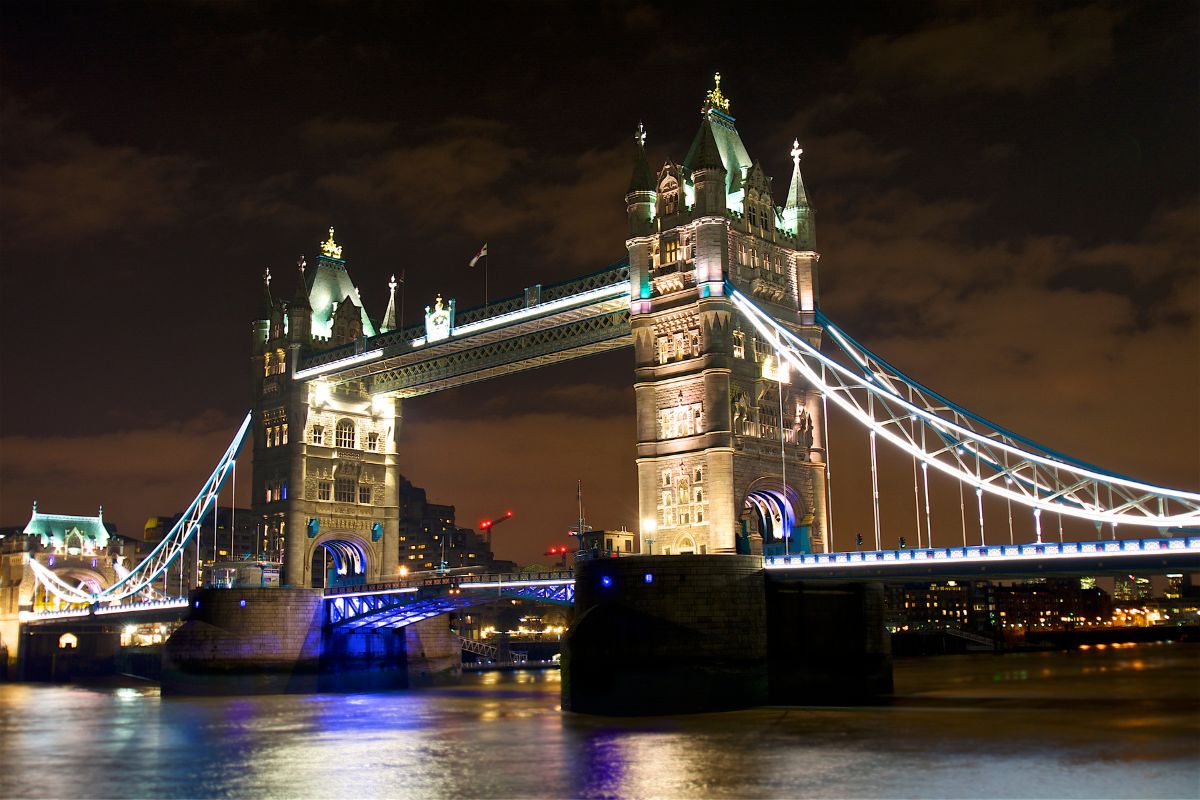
(274, 641)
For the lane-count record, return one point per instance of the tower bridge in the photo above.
(734, 365)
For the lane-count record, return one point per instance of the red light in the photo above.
(508, 513)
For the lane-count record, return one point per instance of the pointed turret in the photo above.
(708, 171)
(639, 200)
(797, 214)
(299, 310)
(642, 179)
(267, 304)
(389, 318)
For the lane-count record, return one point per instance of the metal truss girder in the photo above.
(539, 347)
(615, 276)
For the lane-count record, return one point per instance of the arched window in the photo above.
(344, 434)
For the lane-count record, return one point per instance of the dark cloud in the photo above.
(134, 474)
(1015, 48)
(61, 184)
(341, 132)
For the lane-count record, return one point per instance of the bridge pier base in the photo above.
(827, 644)
(268, 641)
(679, 634)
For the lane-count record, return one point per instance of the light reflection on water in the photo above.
(1087, 724)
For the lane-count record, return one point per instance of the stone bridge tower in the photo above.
(730, 454)
(325, 475)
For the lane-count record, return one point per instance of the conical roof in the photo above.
(797, 197)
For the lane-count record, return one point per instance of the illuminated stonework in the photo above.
(729, 444)
(325, 473)
(439, 321)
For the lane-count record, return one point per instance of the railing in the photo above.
(479, 648)
(984, 553)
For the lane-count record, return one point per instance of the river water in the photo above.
(1121, 722)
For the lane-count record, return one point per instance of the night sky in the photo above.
(1007, 198)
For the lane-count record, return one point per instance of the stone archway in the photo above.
(774, 511)
(340, 559)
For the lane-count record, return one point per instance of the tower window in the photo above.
(324, 490)
(345, 434)
(739, 344)
(318, 435)
(373, 441)
(364, 495)
(343, 490)
(670, 252)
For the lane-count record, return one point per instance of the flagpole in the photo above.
(485, 282)
(402, 300)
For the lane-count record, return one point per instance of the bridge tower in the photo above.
(325, 476)
(729, 445)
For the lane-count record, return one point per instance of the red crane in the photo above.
(487, 525)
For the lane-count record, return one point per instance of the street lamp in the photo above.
(649, 526)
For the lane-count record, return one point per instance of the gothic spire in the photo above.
(643, 178)
(301, 299)
(389, 319)
(267, 306)
(797, 214)
(796, 195)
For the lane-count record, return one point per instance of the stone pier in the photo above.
(275, 640)
(676, 634)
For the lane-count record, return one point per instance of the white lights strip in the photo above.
(59, 588)
(976, 554)
(173, 602)
(774, 332)
(612, 292)
(509, 584)
(71, 613)
(341, 363)
(405, 590)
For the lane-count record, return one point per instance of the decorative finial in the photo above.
(35, 508)
(330, 247)
(796, 152)
(640, 136)
(301, 263)
(101, 512)
(715, 98)
(267, 277)
(392, 283)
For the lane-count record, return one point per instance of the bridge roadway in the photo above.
(401, 603)
(996, 562)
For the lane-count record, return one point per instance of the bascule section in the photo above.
(729, 440)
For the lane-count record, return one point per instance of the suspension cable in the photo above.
(875, 489)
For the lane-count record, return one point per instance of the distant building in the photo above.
(1132, 588)
(216, 543)
(609, 544)
(430, 535)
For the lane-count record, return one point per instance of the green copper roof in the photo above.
(331, 284)
(719, 127)
(54, 529)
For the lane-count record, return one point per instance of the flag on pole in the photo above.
(482, 253)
